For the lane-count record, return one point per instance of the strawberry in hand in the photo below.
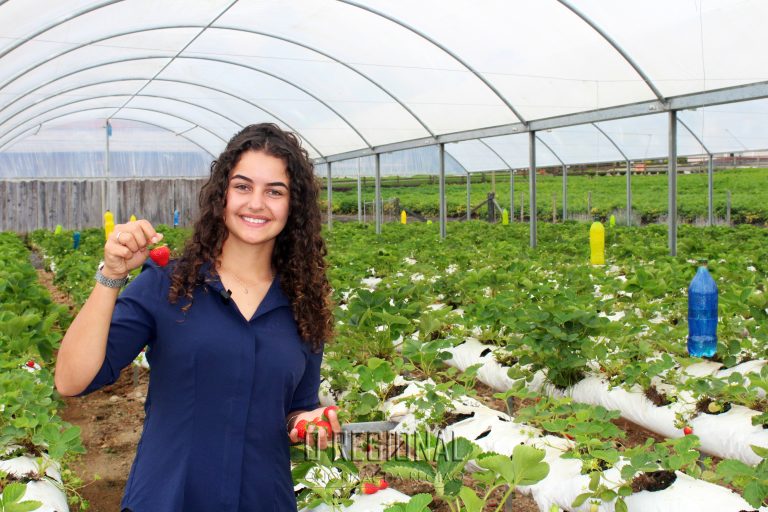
(160, 255)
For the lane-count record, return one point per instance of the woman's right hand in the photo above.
(128, 247)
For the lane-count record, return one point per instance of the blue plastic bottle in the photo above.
(76, 240)
(176, 218)
(702, 314)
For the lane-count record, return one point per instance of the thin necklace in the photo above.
(243, 283)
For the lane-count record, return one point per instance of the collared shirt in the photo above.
(220, 388)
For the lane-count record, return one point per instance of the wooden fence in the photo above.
(75, 204)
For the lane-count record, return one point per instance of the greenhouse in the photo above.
(524, 203)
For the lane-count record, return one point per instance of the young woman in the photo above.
(234, 332)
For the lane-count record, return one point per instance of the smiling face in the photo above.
(257, 199)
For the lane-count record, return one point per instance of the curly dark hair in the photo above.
(299, 253)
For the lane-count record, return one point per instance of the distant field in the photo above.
(748, 187)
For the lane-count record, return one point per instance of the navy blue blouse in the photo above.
(220, 388)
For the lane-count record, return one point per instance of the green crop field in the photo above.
(748, 187)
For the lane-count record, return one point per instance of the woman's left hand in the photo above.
(323, 436)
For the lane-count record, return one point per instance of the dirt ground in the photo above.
(111, 420)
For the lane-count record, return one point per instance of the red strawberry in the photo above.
(369, 488)
(383, 484)
(301, 428)
(688, 431)
(160, 255)
(327, 410)
(31, 363)
(569, 436)
(323, 424)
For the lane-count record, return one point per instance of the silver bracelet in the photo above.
(109, 282)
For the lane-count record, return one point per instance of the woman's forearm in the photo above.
(84, 345)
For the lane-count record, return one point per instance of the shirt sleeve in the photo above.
(305, 398)
(132, 326)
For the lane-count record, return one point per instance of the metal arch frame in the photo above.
(179, 134)
(222, 61)
(194, 84)
(11, 140)
(247, 31)
(236, 123)
(178, 53)
(57, 23)
(710, 175)
(565, 176)
(444, 49)
(21, 124)
(628, 172)
(136, 121)
(586, 19)
(236, 29)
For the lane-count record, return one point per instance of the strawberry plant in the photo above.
(442, 466)
(751, 480)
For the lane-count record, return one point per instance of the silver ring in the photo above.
(117, 237)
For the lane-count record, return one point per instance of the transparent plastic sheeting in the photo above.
(733, 127)
(424, 160)
(77, 150)
(350, 75)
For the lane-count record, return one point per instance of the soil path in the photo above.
(111, 420)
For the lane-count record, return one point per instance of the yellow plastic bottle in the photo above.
(504, 217)
(58, 229)
(403, 217)
(133, 218)
(597, 243)
(109, 224)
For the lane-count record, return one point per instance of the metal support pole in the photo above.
(629, 193)
(377, 198)
(512, 195)
(565, 193)
(532, 185)
(329, 209)
(469, 197)
(359, 195)
(443, 216)
(728, 207)
(711, 190)
(589, 204)
(672, 184)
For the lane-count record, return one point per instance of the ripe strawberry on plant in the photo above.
(31, 363)
(382, 484)
(160, 255)
(369, 488)
(688, 430)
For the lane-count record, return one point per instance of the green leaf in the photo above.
(755, 492)
(500, 464)
(621, 506)
(410, 470)
(24, 506)
(580, 499)
(13, 492)
(471, 502)
(418, 503)
(760, 451)
(528, 465)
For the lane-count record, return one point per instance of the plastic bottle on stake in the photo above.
(176, 218)
(702, 314)
(597, 243)
(109, 224)
(403, 217)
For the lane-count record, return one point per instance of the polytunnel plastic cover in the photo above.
(358, 78)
